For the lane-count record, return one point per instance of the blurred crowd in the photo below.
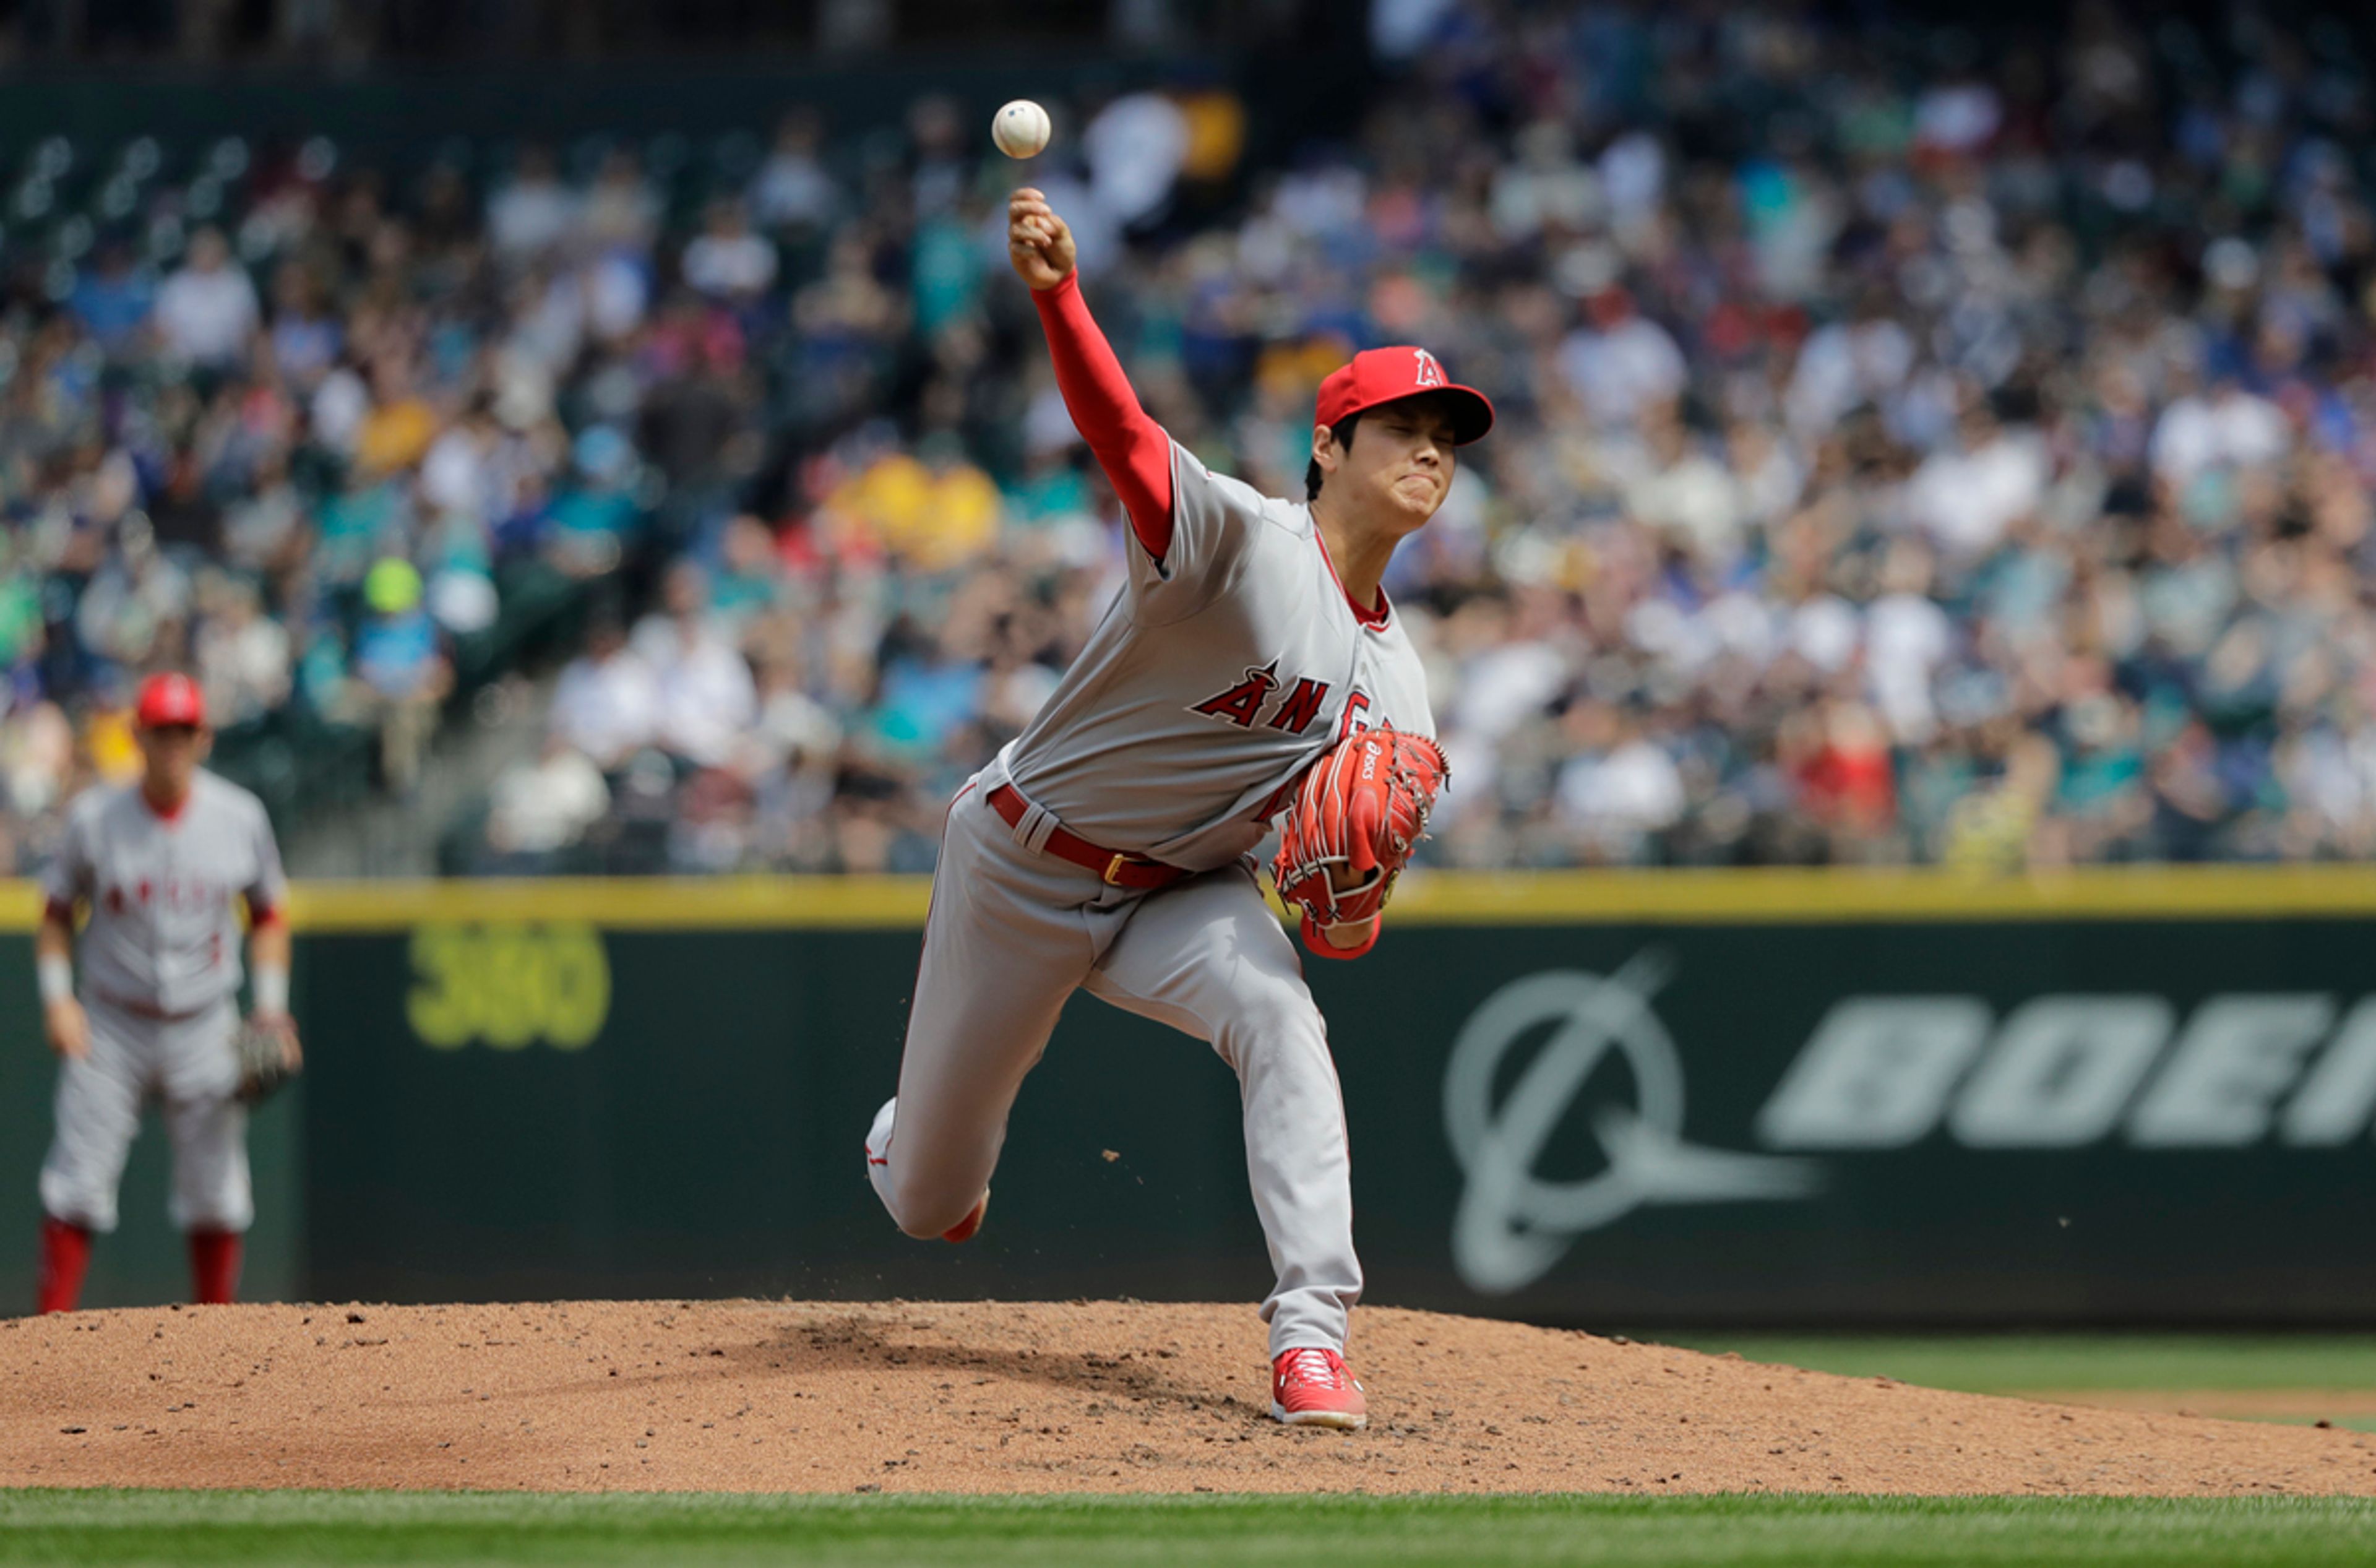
(1915, 446)
(306, 437)
(1911, 451)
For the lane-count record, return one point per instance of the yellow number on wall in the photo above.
(578, 986)
(442, 1002)
(509, 985)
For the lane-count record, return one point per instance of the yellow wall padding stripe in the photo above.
(619, 904)
(1763, 896)
(1798, 895)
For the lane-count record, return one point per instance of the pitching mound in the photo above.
(994, 1397)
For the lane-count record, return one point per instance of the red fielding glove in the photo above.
(1357, 815)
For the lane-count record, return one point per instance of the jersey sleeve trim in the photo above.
(1130, 447)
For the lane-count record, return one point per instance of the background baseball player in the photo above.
(161, 866)
(1108, 847)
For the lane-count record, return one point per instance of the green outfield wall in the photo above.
(2117, 1097)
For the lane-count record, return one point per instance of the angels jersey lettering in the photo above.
(1216, 675)
(163, 893)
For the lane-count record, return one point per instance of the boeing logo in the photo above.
(1877, 1075)
(1513, 1225)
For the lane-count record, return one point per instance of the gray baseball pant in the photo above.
(188, 1063)
(1011, 933)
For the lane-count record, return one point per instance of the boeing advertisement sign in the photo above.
(2101, 1121)
(2127, 1118)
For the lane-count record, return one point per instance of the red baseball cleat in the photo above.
(1311, 1387)
(963, 1229)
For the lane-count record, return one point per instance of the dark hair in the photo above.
(1342, 433)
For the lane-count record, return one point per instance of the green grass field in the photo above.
(92, 1529)
(2015, 1364)
(86, 1528)
(2298, 1377)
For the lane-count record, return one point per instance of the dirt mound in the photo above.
(984, 1397)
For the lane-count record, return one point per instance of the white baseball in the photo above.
(1020, 129)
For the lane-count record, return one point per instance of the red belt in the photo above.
(149, 1010)
(1111, 865)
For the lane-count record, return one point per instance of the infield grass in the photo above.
(93, 1528)
(2016, 1363)
(2275, 1377)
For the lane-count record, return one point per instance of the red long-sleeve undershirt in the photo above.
(1130, 447)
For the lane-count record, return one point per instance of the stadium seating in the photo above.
(1912, 450)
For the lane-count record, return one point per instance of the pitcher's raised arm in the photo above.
(1130, 447)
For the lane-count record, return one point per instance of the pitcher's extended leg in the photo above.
(1208, 957)
(1002, 952)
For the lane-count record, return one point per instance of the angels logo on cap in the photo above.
(1382, 376)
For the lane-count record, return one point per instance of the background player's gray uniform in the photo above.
(1213, 679)
(160, 970)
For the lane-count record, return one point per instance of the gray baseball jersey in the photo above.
(1216, 676)
(165, 931)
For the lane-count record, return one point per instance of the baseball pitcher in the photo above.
(161, 868)
(1250, 665)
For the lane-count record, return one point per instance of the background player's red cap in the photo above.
(170, 698)
(1382, 376)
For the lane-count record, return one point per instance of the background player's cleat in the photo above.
(963, 1229)
(1311, 1387)
(214, 1268)
(66, 1256)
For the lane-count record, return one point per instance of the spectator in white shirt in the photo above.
(538, 807)
(606, 703)
(1134, 149)
(2230, 427)
(708, 700)
(1846, 364)
(533, 211)
(242, 654)
(1966, 497)
(206, 311)
(729, 263)
(1906, 638)
(622, 212)
(458, 476)
(1621, 363)
(792, 190)
(1682, 490)
(1620, 787)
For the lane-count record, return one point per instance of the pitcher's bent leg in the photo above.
(1208, 957)
(997, 967)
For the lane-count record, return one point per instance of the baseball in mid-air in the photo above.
(1020, 129)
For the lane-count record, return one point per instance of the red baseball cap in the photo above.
(1384, 376)
(170, 698)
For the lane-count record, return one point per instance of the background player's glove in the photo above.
(1357, 815)
(265, 1047)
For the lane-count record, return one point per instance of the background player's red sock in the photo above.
(214, 1267)
(66, 1257)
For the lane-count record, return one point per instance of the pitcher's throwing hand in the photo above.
(1039, 242)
